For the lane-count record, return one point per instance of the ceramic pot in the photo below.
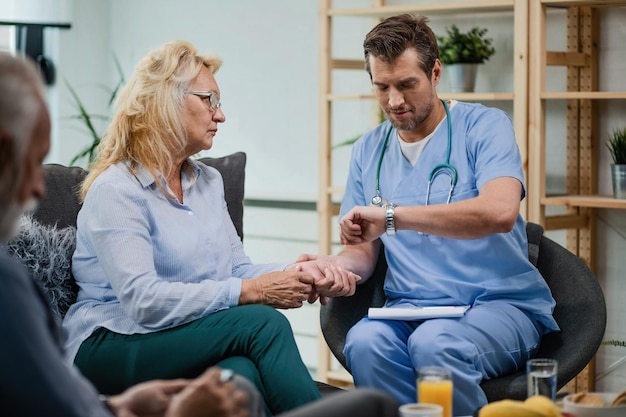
(461, 77)
(618, 176)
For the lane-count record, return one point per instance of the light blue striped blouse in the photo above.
(145, 262)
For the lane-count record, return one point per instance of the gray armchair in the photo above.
(580, 312)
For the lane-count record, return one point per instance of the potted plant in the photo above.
(88, 120)
(461, 53)
(617, 148)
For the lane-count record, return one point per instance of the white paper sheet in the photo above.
(416, 313)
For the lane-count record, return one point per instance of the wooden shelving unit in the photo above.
(529, 96)
(581, 142)
(374, 10)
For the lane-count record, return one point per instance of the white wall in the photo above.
(268, 81)
(85, 62)
(269, 91)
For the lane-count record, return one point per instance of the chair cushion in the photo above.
(534, 232)
(233, 170)
(60, 206)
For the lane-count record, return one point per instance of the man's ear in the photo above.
(436, 73)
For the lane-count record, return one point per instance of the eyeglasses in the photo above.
(210, 97)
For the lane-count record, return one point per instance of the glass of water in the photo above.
(541, 377)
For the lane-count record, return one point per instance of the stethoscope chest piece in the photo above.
(378, 201)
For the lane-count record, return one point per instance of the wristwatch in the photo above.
(390, 223)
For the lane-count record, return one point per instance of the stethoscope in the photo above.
(446, 167)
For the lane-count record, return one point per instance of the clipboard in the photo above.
(416, 313)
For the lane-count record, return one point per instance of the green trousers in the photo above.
(255, 341)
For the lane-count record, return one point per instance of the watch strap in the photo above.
(390, 223)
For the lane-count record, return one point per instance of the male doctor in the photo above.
(439, 184)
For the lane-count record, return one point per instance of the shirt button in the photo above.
(191, 213)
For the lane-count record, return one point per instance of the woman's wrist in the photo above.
(249, 292)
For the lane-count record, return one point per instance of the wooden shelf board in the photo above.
(335, 190)
(443, 95)
(476, 96)
(584, 95)
(561, 58)
(546, 95)
(348, 64)
(457, 7)
(338, 97)
(342, 376)
(566, 221)
(593, 201)
(590, 3)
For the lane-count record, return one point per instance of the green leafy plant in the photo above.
(617, 146)
(347, 142)
(350, 141)
(87, 119)
(465, 48)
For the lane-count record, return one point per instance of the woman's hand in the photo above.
(282, 289)
(331, 280)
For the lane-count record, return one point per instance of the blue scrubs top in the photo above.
(427, 270)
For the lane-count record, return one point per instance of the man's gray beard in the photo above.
(9, 219)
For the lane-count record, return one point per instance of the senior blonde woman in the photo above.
(166, 289)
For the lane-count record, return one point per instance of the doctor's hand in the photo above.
(280, 289)
(331, 280)
(362, 224)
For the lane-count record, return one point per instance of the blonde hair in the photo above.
(147, 127)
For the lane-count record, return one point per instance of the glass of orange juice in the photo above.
(434, 386)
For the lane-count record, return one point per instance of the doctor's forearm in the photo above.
(464, 220)
(494, 210)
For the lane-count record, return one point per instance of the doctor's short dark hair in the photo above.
(394, 35)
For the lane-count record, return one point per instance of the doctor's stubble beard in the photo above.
(413, 122)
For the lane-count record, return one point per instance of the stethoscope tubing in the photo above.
(377, 200)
